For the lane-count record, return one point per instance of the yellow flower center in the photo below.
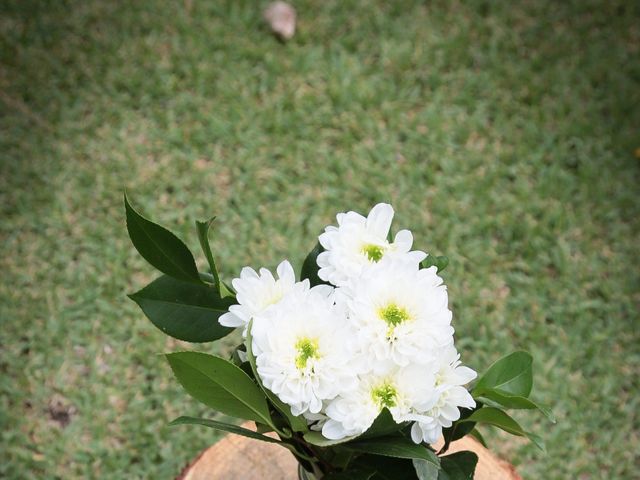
(306, 349)
(393, 314)
(373, 252)
(384, 395)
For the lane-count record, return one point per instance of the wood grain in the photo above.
(236, 457)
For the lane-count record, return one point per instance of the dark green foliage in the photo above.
(220, 385)
(458, 466)
(225, 427)
(160, 247)
(440, 262)
(393, 446)
(499, 418)
(184, 310)
(310, 267)
(511, 374)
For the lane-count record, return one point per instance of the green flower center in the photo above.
(307, 349)
(384, 395)
(373, 252)
(393, 314)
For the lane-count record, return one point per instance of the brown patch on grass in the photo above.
(60, 411)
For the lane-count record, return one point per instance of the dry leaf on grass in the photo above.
(281, 17)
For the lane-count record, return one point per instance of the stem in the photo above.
(282, 433)
(207, 278)
(319, 459)
(316, 471)
(297, 453)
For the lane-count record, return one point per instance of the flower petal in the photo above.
(403, 241)
(379, 220)
(285, 272)
(230, 320)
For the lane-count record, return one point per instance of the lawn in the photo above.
(504, 135)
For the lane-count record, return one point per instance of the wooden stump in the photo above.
(236, 457)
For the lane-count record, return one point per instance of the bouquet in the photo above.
(352, 367)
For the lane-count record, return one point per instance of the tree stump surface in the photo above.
(235, 457)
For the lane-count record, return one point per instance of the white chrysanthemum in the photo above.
(256, 292)
(407, 393)
(358, 241)
(452, 395)
(302, 348)
(400, 312)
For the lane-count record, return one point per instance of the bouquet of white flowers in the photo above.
(353, 367)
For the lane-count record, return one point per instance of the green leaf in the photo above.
(495, 397)
(511, 374)
(233, 429)
(262, 428)
(478, 436)
(398, 447)
(184, 310)
(226, 290)
(426, 470)
(496, 417)
(160, 247)
(203, 237)
(310, 266)
(458, 466)
(500, 419)
(220, 385)
(316, 438)
(383, 425)
(440, 262)
(537, 440)
(386, 468)
(297, 424)
(226, 427)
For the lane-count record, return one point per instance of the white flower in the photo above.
(406, 392)
(352, 413)
(452, 395)
(358, 241)
(302, 348)
(382, 338)
(399, 311)
(256, 292)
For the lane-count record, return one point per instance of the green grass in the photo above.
(503, 135)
